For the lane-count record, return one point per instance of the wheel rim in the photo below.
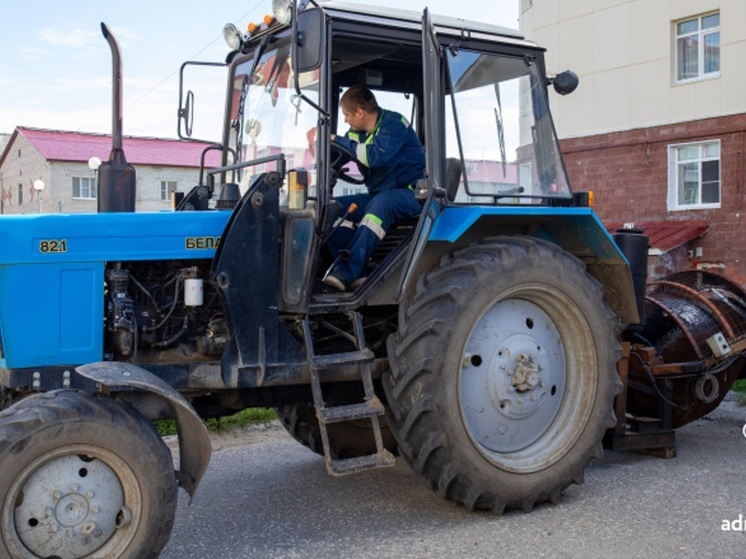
(73, 502)
(525, 375)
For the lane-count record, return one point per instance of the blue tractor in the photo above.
(482, 345)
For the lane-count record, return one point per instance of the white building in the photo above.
(657, 126)
(60, 159)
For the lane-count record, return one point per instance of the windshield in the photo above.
(501, 125)
(267, 118)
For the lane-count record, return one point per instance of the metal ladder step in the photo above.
(351, 412)
(371, 408)
(326, 361)
(346, 466)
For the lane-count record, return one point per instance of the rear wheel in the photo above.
(82, 476)
(503, 374)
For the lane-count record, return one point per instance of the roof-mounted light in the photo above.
(282, 10)
(232, 36)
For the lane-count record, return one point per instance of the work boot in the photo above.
(336, 282)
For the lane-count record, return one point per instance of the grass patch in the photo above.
(240, 420)
(224, 424)
(739, 387)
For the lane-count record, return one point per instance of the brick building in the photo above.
(60, 160)
(657, 127)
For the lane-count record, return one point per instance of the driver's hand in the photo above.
(311, 137)
(332, 137)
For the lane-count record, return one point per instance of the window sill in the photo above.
(706, 77)
(698, 207)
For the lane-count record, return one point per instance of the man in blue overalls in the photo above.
(387, 144)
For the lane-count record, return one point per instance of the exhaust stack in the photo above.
(116, 178)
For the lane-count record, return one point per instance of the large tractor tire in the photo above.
(503, 374)
(82, 476)
(347, 440)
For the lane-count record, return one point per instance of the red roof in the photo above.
(56, 145)
(667, 235)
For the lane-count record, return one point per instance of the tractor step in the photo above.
(351, 412)
(369, 409)
(345, 466)
(350, 357)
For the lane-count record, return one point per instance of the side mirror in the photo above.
(196, 122)
(186, 115)
(565, 82)
(310, 39)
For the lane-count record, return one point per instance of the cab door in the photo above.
(433, 183)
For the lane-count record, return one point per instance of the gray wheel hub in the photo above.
(513, 377)
(71, 505)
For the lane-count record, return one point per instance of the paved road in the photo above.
(265, 496)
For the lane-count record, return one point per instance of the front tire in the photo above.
(503, 374)
(82, 476)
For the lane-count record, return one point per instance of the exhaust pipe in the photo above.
(116, 178)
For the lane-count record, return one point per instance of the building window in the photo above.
(694, 176)
(698, 48)
(84, 188)
(20, 194)
(167, 187)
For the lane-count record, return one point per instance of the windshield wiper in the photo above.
(500, 127)
(258, 53)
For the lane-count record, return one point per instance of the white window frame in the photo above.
(91, 188)
(699, 35)
(674, 204)
(167, 187)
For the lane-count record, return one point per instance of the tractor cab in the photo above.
(476, 95)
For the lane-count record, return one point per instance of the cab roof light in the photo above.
(282, 11)
(232, 36)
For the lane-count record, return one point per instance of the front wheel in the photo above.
(503, 374)
(82, 476)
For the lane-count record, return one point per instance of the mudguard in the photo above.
(578, 230)
(194, 443)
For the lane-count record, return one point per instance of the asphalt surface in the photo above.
(266, 496)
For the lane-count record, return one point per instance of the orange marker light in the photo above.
(269, 20)
(252, 27)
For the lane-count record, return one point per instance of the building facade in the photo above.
(657, 127)
(61, 161)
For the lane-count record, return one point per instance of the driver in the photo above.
(387, 144)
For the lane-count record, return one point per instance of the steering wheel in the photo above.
(341, 156)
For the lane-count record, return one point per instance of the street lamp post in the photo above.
(94, 163)
(39, 186)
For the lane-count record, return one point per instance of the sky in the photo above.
(55, 65)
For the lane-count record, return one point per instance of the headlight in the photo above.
(232, 36)
(282, 10)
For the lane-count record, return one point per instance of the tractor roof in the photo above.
(339, 9)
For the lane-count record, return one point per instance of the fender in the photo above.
(194, 443)
(578, 230)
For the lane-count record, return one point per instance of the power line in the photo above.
(203, 49)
